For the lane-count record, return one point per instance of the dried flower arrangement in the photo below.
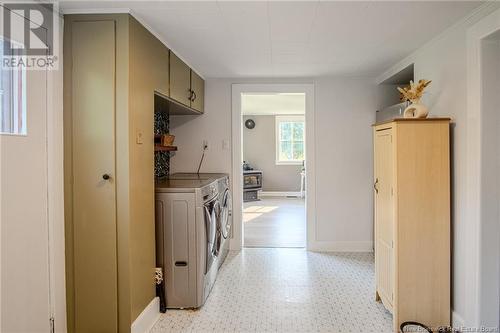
(414, 92)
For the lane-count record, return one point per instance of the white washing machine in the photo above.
(190, 241)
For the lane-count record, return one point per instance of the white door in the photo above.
(24, 289)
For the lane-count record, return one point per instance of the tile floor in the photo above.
(275, 222)
(287, 290)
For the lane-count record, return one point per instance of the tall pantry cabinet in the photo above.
(412, 219)
(112, 68)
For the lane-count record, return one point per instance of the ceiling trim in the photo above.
(72, 11)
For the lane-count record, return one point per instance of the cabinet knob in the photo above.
(106, 176)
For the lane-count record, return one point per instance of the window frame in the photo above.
(17, 107)
(278, 121)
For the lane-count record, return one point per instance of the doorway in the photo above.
(490, 181)
(273, 156)
(482, 172)
(273, 169)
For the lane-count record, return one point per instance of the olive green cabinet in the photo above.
(198, 92)
(186, 87)
(159, 55)
(180, 80)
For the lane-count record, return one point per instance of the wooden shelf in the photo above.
(165, 148)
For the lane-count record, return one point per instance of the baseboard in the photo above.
(457, 321)
(325, 246)
(278, 194)
(148, 317)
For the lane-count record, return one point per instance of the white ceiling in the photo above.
(273, 103)
(290, 39)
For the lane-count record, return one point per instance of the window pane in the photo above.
(285, 131)
(298, 151)
(12, 99)
(285, 150)
(298, 131)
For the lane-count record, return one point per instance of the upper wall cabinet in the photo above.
(150, 57)
(159, 54)
(198, 92)
(180, 80)
(186, 87)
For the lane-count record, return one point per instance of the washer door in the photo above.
(211, 231)
(218, 234)
(225, 221)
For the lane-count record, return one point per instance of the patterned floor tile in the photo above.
(287, 290)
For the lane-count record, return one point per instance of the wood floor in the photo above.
(274, 222)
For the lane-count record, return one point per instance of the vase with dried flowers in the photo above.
(413, 93)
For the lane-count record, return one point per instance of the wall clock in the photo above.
(249, 123)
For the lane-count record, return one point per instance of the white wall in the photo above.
(444, 61)
(259, 149)
(344, 112)
(31, 211)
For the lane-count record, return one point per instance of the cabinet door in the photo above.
(148, 61)
(159, 57)
(198, 87)
(384, 216)
(94, 195)
(180, 80)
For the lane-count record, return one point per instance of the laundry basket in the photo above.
(414, 327)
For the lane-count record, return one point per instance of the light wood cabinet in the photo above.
(180, 80)
(198, 91)
(412, 219)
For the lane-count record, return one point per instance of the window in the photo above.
(290, 138)
(12, 98)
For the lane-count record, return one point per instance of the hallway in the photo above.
(275, 222)
(287, 290)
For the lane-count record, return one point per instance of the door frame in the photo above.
(55, 190)
(237, 154)
(474, 257)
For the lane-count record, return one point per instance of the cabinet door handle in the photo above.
(194, 97)
(375, 186)
(106, 176)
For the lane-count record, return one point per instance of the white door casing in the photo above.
(237, 156)
(480, 287)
